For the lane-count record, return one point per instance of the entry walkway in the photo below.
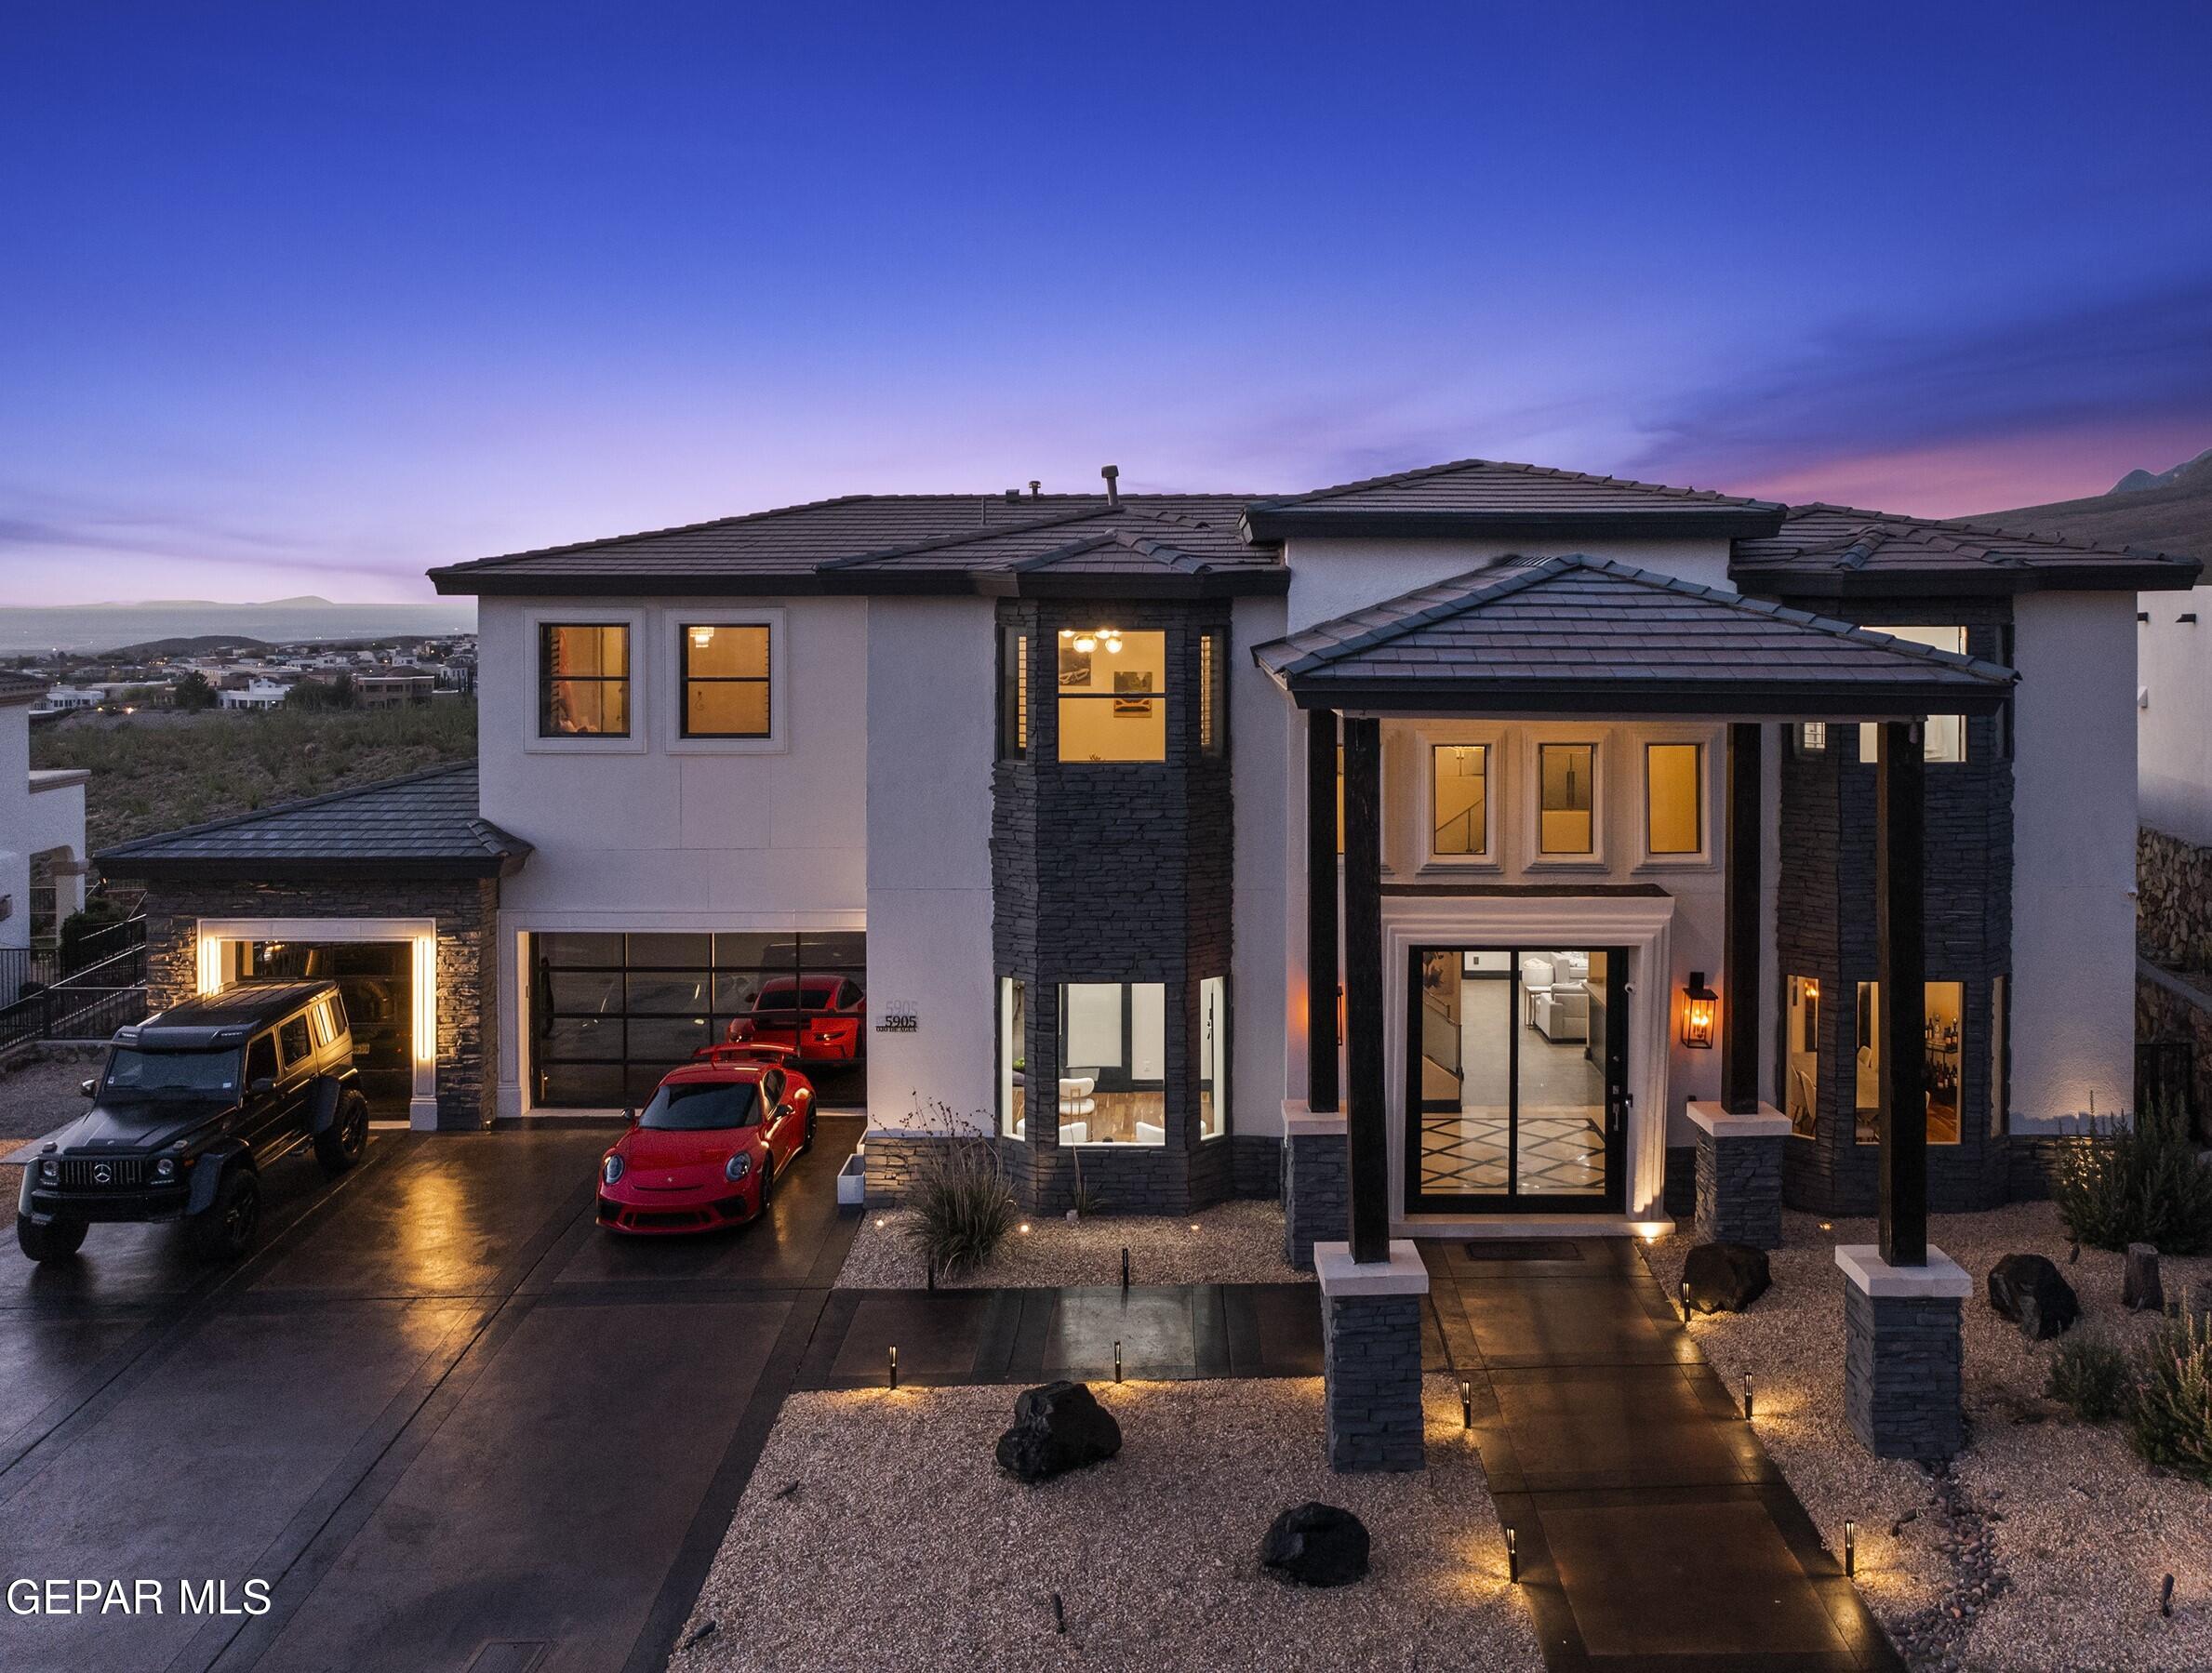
(1653, 1531)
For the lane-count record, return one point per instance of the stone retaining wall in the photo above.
(2173, 905)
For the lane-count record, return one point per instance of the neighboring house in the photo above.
(41, 838)
(393, 690)
(63, 698)
(257, 693)
(1061, 779)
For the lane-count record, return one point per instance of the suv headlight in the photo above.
(738, 1166)
(611, 1169)
(50, 1173)
(164, 1167)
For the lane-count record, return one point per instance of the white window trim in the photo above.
(1496, 769)
(669, 623)
(1531, 776)
(583, 612)
(1710, 777)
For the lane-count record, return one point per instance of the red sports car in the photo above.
(820, 1019)
(709, 1147)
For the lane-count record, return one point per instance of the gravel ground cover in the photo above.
(1232, 1242)
(37, 1093)
(877, 1532)
(2043, 1546)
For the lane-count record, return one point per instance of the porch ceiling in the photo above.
(1580, 635)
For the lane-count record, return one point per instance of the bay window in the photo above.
(1213, 1056)
(1113, 1063)
(1113, 694)
(1943, 1055)
(1945, 734)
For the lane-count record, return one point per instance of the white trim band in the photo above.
(1403, 1274)
(1941, 1278)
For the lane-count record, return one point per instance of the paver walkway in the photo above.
(1654, 1532)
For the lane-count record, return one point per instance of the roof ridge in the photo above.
(1905, 522)
(1704, 496)
(968, 537)
(228, 821)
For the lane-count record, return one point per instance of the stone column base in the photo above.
(1371, 1357)
(1739, 1175)
(1902, 1353)
(1316, 1183)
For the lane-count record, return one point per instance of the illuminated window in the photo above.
(1213, 1056)
(1113, 694)
(1012, 1051)
(1459, 799)
(725, 681)
(1113, 1063)
(583, 680)
(1802, 1063)
(1944, 1054)
(1567, 775)
(1013, 695)
(1213, 694)
(1812, 737)
(1945, 734)
(1673, 802)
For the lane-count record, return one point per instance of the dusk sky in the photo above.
(307, 297)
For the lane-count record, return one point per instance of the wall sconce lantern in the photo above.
(1700, 1005)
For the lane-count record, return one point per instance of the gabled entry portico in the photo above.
(1598, 643)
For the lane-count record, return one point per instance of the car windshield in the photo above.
(197, 1073)
(696, 1106)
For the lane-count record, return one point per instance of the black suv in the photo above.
(193, 1103)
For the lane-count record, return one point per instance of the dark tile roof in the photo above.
(1840, 548)
(21, 688)
(1586, 633)
(423, 825)
(1480, 492)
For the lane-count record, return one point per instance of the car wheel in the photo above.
(768, 1183)
(225, 1230)
(53, 1241)
(806, 1144)
(341, 1145)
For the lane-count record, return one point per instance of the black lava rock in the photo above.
(1314, 1544)
(2028, 1289)
(1057, 1428)
(1724, 1278)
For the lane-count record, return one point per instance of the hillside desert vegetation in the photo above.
(160, 772)
(2175, 516)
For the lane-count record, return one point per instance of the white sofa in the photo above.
(1563, 1013)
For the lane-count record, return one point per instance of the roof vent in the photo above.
(1012, 496)
(1034, 487)
(1112, 473)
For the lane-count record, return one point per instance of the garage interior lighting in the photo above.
(426, 999)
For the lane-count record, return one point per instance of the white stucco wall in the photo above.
(1267, 765)
(2074, 856)
(655, 832)
(931, 720)
(2173, 727)
(16, 841)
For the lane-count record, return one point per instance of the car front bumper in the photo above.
(670, 1214)
(142, 1202)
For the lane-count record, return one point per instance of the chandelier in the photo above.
(1086, 640)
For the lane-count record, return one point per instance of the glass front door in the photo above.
(1516, 1079)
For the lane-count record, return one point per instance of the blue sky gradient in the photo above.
(307, 298)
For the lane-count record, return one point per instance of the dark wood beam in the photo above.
(1743, 975)
(1367, 1124)
(1900, 1021)
(1321, 911)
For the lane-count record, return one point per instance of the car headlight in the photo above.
(50, 1173)
(738, 1166)
(166, 1168)
(611, 1169)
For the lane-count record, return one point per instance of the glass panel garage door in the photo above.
(612, 1013)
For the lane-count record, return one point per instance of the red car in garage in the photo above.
(708, 1147)
(819, 1018)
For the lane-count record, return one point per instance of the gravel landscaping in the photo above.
(2043, 1546)
(1232, 1242)
(877, 1532)
(37, 1093)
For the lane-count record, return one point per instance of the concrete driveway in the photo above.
(449, 1422)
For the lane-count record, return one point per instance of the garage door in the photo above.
(378, 980)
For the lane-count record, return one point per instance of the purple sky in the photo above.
(307, 298)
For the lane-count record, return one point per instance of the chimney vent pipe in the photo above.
(1033, 485)
(1112, 476)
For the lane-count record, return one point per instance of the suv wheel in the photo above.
(224, 1231)
(340, 1146)
(51, 1241)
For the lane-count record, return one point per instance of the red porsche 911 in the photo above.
(821, 1018)
(708, 1148)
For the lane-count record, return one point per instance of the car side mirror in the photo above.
(89, 1087)
(782, 1110)
(630, 1114)
(263, 1086)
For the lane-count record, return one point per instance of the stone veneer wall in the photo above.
(1901, 1374)
(1116, 872)
(1317, 1194)
(1825, 926)
(465, 909)
(1739, 1191)
(1373, 1346)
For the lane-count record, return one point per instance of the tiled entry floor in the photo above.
(1654, 1532)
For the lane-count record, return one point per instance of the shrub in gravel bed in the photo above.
(2138, 1183)
(963, 1203)
(2172, 1425)
(2092, 1379)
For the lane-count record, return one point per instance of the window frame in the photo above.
(1169, 991)
(1702, 855)
(684, 621)
(638, 739)
(1210, 652)
(1869, 1007)
(1532, 776)
(1902, 630)
(1165, 696)
(1427, 740)
(674, 625)
(544, 680)
(1017, 680)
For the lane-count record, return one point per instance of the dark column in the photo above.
(1366, 1124)
(1900, 1023)
(1321, 911)
(1742, 972)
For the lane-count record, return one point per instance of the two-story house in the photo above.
(1519, 810)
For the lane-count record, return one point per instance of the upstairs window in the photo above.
(1567, 798)
(1674, 799)
(1013, 694)
(1945, 738)
(1458, 800)
(724, 673)
(1113, 694)
(583, 680)
(1213, 692)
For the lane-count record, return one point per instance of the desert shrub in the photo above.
(2091, 1378)
(2172, 1421)
(2138, 1183)
(962, 1199)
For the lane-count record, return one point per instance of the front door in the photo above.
(1516, 1093)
